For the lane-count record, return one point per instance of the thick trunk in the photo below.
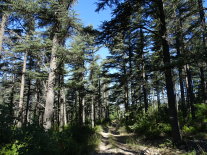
(50, 86)
(21, 97)
(168, 75)
(2, 29)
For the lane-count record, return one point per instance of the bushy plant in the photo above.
(6, 121)
(80, 140)
(152, 124)
(199, 124)
(11, 149)
(188, 130)
(201, 117)
(33, 140)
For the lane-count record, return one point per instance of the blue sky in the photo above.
(86, 10)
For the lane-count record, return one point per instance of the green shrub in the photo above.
(201, 117)
(151, 125)
(80, 140)
(33, 140)
(6, 121)
(188, 130)
(11, 149)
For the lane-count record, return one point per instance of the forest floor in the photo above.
(117, 142)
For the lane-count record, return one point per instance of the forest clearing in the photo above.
(89, 77)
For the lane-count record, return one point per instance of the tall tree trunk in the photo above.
(11, 98)
(191, 97)
(158, 93)
(203, 88)
(50, 86)
(168, 75)
(180, 49)
(203, 25)
(80, 111)
(26, 119)
(105, 97)
(92, 112)
(2, 29)
(126, 92)
(63, 115)
(144, 77)
(28, 96)
(37, 100)
(83, 111)
(99, 99)
(57, 112)
(21, 97)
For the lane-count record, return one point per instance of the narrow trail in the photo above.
(112, 143)
(115, 143)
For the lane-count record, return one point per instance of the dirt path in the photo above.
(111, 143)
(115, 143)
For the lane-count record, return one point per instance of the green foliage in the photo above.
(151, 124)
(194, 126)
(11, 149)
(190, 153)
(34, 140)
(167, 143)
(5, 124)
(188, 130)
(80, 140)
(201, 114)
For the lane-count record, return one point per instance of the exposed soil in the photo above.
(115, 143)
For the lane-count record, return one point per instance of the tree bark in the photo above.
(105, 97)
(203, 88)
(92, 112)
(63, 115)
(191, 97)
(168, 75)
(50, 86)
(21, 97)
(144, 77)
(26, 119)
(2, 29)
(126, 92)
(83, 111)
(99, 99)
(180, 49)
(158, 95)
(203, 25)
